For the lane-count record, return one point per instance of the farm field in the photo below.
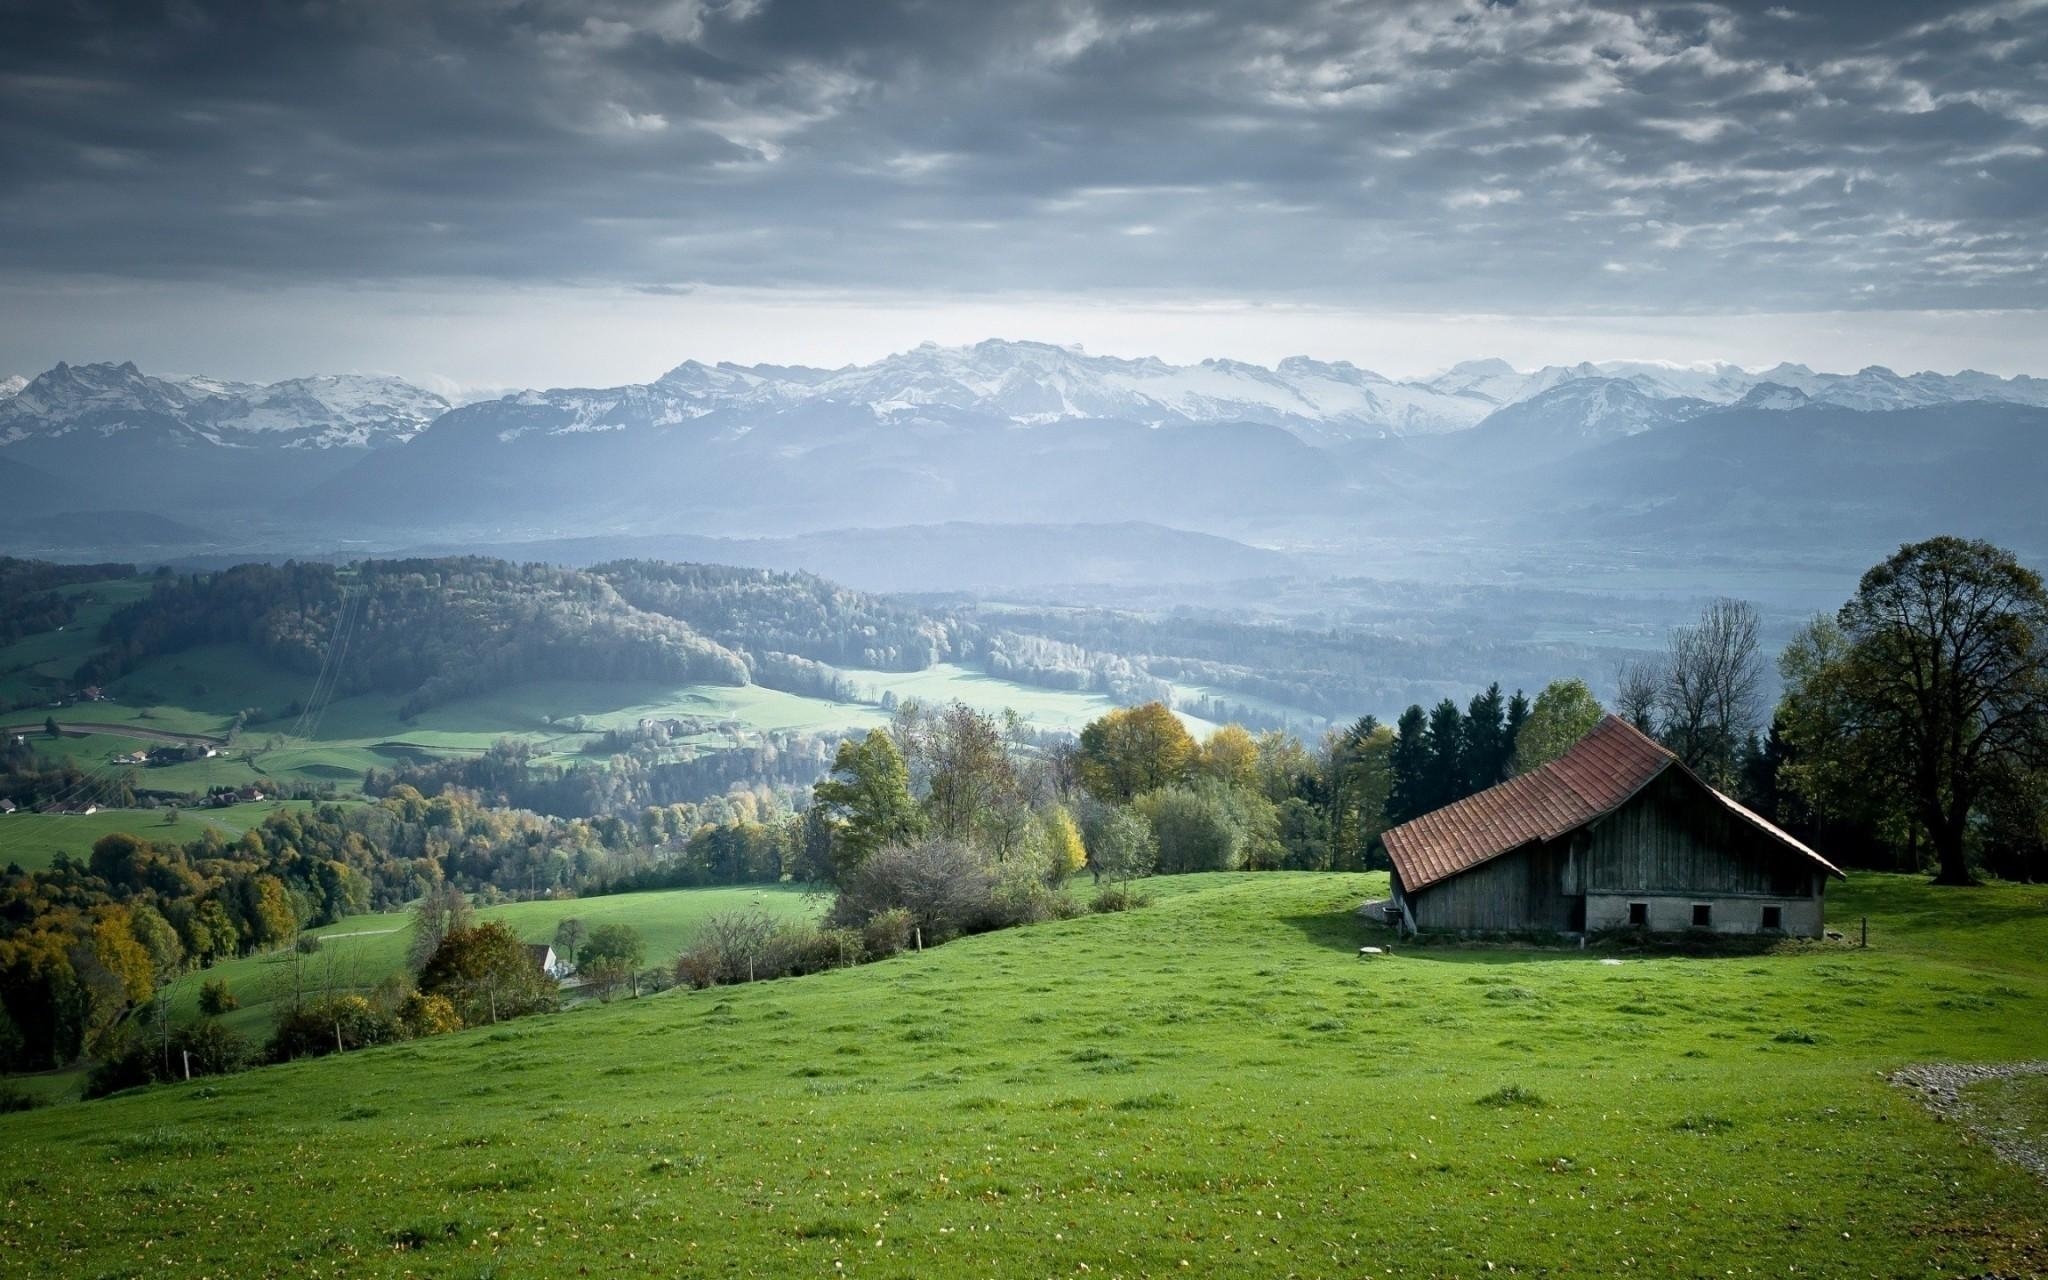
(1215, 1084)
(33, 840)
(201, 691)
(362, 951)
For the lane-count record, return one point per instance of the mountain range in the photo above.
(1006, 435)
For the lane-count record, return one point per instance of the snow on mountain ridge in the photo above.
(329, 411)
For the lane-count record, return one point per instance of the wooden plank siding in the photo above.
(1671, 839)
(1520, 890)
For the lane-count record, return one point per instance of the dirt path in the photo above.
(81, 728)
(1939, 1087)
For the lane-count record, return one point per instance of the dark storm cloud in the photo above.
(1550, 153)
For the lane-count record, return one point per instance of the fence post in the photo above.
(1866, 932)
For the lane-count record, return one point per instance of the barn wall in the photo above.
(1733, 914)
(1671, 846)
(1673, 838)
(1517, 891)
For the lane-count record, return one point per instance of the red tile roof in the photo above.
(1597, 776)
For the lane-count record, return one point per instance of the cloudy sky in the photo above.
(505, 192)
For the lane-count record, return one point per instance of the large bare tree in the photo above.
(1713, 677)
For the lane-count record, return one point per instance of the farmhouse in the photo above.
(545, 959)
(1616, 833)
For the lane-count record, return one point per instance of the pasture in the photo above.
(203, 690)
(1215, 1084)
(33, 840)
(362, 951)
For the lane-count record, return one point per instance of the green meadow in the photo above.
(201, 691)
(362, 951)
(33, 840)
(1215, 1084)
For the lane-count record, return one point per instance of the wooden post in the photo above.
(1866, 932)
(188, 1063)
(918, 932)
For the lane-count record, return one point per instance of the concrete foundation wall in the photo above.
(1802, 917)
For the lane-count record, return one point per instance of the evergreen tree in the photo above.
(1447, 775)
(1486, 738)
(1409, 797)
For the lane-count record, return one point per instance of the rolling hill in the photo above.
(1213, 1085)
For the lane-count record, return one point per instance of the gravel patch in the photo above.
(1939, 1087)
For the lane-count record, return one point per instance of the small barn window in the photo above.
(1638, 914)
(1774, 919)
(1702, 915)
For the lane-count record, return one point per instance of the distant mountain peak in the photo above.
(319, 412)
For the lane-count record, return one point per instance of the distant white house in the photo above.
(545, 959)
(6, 806)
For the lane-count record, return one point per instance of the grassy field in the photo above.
(362, 951)
(200, 691)
(1214, 1085)
(33, 840)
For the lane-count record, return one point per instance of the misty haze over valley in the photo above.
(1314, 638)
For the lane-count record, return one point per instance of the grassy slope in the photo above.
(1213, 1085)
(362, 951)
(200, 690)
(35, 839)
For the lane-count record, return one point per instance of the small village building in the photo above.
(545, 959)
(6, 806)
(1614, 834)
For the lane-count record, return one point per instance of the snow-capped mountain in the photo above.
(105, 401)
(1035, 382)
(1571, 417)
(11, 385)
(1874, 389)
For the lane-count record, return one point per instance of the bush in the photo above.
(1018, 894)
(215, 998)
(422, 1015)
(1195, 829)
(308, 944)
(886, 932)
(14, 1098)
(801, 949)
(944, 885)
(1117, 897)
(487, 974)
(135, 1065)
(335, 1023)
(214, 1050)
(698, 967)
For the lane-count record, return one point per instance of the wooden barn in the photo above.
(1616, 833)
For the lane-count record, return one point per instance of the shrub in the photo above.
(1018, 894)
(487, 974)
(423, 1015)
(130, 1069)
(212, 1050)
(308, 944)
(886, 932)
(1117, 897)
(943, 884)
(215, 998)
(335, 1023)
(1195, 829)
(14, 1098)
(1511, 1095)
(697, 967)
(807, 949)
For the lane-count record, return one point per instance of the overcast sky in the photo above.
(510, 192)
